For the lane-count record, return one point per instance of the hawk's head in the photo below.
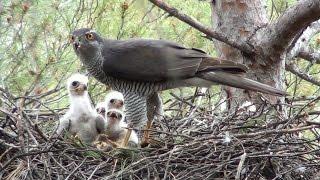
(86, 42)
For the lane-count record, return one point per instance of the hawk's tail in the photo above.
(233, 80)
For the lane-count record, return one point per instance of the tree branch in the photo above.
(243, 46)
(303, 42)
(309, 54)
(282, 32)
(295, 70)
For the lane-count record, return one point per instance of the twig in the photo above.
(75, 169)
(242, 159)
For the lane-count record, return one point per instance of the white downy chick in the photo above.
(81, 119)
(114, 100)
(116, 128)
(101, 108)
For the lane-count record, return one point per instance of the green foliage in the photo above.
(277, 7)
(92, 154)
(37, 57)
(125, 154)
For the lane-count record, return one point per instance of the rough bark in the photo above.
(248, 22)
(276, 37)
(240, 20)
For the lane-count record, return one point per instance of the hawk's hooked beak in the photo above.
(76, 45)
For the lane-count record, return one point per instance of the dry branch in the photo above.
(243, 46)
(295, 19)
(310, 54)
(301, 46)
(296, 71)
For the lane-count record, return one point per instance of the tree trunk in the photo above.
(242, 20)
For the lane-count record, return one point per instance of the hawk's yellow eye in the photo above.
(89, 36)
(71, 39)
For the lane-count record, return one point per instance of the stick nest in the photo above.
(194, 142)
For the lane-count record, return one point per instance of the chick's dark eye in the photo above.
(120, 116)
(89, 36)
(112, 100)
(75, 83)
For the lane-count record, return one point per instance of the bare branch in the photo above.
(310, 54)
(243, 46)
(295, 70)
(302, 98)
(293, 21)
(303, 40)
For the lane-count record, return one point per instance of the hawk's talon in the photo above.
(146, 135)
(126, 138)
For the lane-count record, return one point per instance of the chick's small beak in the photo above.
(101, 111)
(85, 87)
(81, 88)
(114, 115)
(119, 104)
